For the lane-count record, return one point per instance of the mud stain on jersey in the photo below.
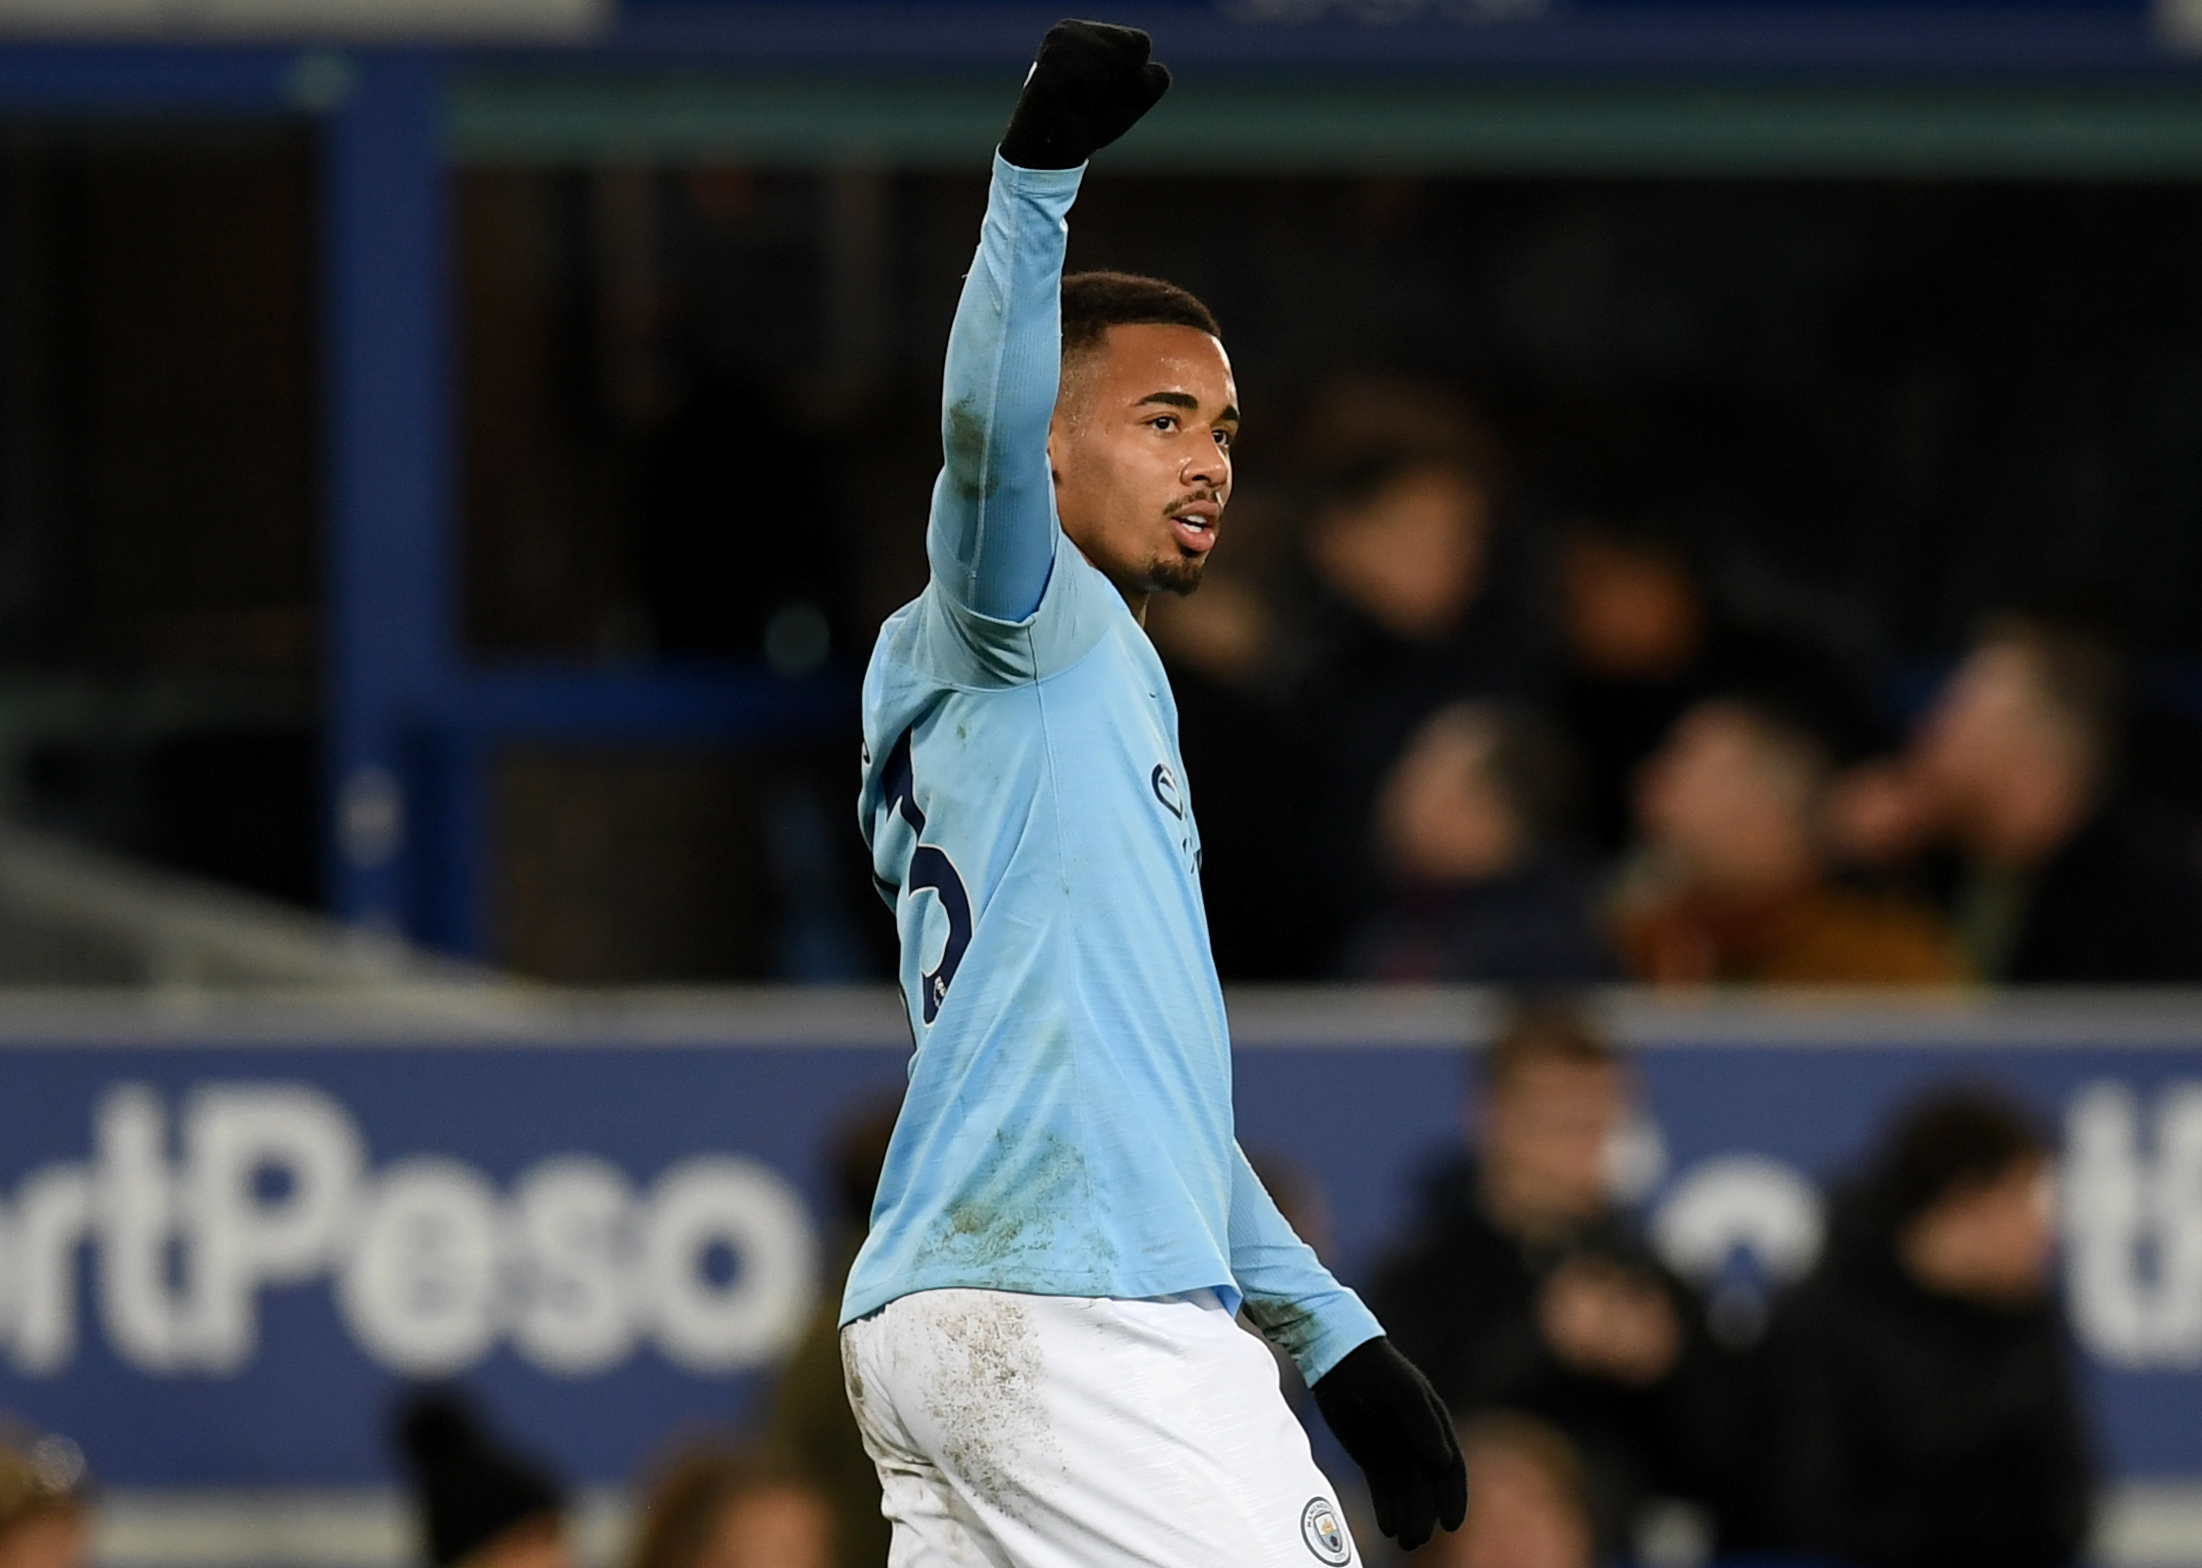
(1012, 1211)
(1030, 1199)
(1284, 1323)
(964, 442)
(986, 1405)
(1288, 1326)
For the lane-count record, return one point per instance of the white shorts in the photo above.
(1082, 1432)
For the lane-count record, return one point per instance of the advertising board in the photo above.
(226, 1244)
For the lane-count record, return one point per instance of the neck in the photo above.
(1136, 598)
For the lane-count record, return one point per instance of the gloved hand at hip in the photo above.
(1387, 1417)
(1089, 85)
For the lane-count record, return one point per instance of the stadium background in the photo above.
(373, 550)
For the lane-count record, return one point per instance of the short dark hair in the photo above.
(1950, 1139)
(1093, 302)
(1542, 1029)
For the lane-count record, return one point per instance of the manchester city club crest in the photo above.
(1325, 1533)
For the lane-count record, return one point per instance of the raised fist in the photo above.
(1089, 84)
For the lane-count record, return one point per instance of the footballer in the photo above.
(1039, 1335)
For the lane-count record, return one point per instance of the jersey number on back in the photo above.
(929, 868)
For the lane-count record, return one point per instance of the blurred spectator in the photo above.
(1417, 595)
(480, 1504)
(2067, 877)
(1643, 639)
(1477, 887)
(1731, 884)
(1405, 543)
(813, 1433)
(44, 1520)
(724, 1508)
(1526, 1501)
(1522, 1288)
(1925, 1413)
(1412, 596)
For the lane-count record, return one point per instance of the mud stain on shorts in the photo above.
(986, 1405)
(852, 1373)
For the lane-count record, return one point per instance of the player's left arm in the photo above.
(1382, 1411)
(1290, 1296)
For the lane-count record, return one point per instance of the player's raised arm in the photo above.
(992, 537)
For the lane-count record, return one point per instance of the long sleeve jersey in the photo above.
(1068, 1128)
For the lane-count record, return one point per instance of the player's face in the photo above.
(1141, 449)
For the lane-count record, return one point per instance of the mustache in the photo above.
(1192, 496)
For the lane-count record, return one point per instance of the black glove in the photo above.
(1385, 1414)
(1090, 85)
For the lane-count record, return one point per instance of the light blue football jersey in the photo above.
(1068, 1127)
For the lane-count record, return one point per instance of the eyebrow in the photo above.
(1186, 400)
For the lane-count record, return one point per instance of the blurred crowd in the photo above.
(1907, 1402)
(1902, 1399)
(1438, 734)
(1550, 743)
